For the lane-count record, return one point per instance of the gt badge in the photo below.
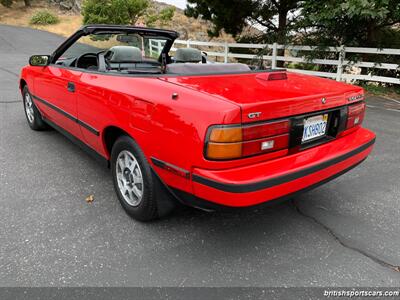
(254, 115)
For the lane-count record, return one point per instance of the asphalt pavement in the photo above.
(345, 233)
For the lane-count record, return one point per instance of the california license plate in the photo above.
(314, 127)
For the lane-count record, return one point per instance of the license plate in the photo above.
(314, 127)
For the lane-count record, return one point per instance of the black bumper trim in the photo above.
(256, 186)
(69, 116)
(191, 200)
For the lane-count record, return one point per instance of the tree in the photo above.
(277, 17)
(113, 11)
(366, 23)
(358, 23)
(124, 12)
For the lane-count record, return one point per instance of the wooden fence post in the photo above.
(342, 56)
(274, 55)
(226, 52)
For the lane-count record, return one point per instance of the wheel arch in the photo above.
(109, 135)
(165, 198)
(22, 84)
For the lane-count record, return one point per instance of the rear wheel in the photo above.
(32, 114)
(134, 182)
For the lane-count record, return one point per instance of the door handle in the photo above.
(71, 87)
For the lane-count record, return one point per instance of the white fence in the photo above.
(340, 63)
(155, 47)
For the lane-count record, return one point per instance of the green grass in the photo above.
(44, 17)
(380, 89)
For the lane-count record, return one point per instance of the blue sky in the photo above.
(178, 3)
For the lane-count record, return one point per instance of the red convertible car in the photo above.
(177, 127)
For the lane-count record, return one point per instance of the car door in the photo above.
(55, 90)
(93, 110)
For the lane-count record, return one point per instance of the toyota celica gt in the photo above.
(172, 126)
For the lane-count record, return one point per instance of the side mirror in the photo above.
(39, 60)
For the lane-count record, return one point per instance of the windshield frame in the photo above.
(169, 35)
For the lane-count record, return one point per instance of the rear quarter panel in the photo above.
(169, 130)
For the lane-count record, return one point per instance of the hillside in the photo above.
(70, 21)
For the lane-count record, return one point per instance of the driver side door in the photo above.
(55, 90)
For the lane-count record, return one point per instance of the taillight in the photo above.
(355, 115)
(230, 142)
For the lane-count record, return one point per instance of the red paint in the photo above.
(174, 131)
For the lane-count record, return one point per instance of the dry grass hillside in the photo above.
(19, 15)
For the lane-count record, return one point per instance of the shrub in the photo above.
(163, 17)
(166, 15)
(8, 3)
(44, 17)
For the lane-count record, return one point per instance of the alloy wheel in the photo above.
(129, 178)
(29, 108)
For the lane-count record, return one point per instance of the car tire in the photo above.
(32, 114)
(133, 180)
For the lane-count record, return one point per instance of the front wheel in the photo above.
(133, 180)
(32, 114)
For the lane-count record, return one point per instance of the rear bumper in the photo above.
(279, 178)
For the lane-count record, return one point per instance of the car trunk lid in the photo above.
(261, 98)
